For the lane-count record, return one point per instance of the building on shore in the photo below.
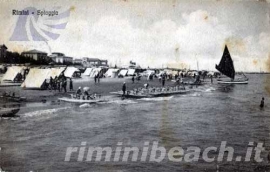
(94, 62)
(35, 55)
(60, 58)
(77, 61)
(3, 51)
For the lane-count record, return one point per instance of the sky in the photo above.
(155, 33)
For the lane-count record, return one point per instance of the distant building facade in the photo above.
(78, 61)
(3, 51)
(60, 58)
(35, 55)
(86, 61)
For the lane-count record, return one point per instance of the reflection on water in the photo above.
(226, 88)
(167, 135)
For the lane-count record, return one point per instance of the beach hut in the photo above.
(94, 72)
(150, 73)
(111, 72)
(55, 72)
(123, 73)
(12, 73)
(69, 72)
(37, 77)
(87, 72)
(115, 73)
(131, 72)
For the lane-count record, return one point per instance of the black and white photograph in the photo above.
(135, 85)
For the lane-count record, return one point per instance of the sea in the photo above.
(209, 115)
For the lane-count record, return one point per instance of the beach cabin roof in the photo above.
(70, 71)
(123, 72)
(34, 52)
(94, 72)
(12, 72)
(37, 76)
(55, 72)
(111, 72)
(131, 72)
(87, 72)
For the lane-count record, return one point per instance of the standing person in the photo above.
(175, 76)
(51, 83)
(262, 103)
(70, 85)
(133, 79)
(78, 92)
(163, 80)
(64, 84)
(55, 83)
(124, 88)
(95, 79)
(59, 85)
(211, 79)
(98, 78)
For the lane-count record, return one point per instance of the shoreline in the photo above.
(104, 88)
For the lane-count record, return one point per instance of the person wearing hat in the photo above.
(124, 88)
(79, 92)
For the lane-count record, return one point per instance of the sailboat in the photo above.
(226, 67)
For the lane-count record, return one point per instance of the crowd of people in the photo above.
(59, 83)
(21, 76)
(84, 94)
(147, 89)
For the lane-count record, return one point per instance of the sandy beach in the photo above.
(104, 88)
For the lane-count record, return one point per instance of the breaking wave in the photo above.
(85, 105)
(123, 102)
(210, 89)
(157, 98)
(42, 112)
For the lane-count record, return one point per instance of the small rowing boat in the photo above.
(75, 100)
(9, 112)
(150, 94)
(233, 82)
(131, 95)
(169, 93)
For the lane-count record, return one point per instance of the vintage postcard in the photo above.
(134, 85)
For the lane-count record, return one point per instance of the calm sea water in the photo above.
(213, 113)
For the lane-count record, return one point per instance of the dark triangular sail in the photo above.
(226, 64)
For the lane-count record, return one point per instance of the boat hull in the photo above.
(65, 99)
(9, 112)
(138, 96)
(169, 93)
(160, 94)
(232, 82)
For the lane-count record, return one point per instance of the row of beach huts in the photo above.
(34, 77)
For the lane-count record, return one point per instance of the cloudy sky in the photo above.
(155, 33)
